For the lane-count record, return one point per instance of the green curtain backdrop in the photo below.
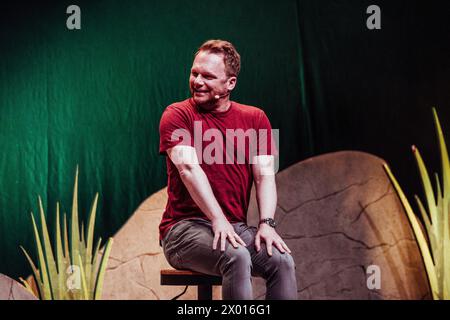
(94, 96)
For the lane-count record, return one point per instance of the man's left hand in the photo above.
(271, 238)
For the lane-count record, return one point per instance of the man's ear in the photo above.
(231, 83)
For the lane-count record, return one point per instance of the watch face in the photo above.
(270, 222)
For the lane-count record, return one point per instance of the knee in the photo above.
(238, 258)
(287, 263)
(281, 262)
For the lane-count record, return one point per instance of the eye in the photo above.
(194, 74)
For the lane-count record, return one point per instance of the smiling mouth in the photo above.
(199, 92)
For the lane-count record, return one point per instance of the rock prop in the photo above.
(12, 290)
(347, 229)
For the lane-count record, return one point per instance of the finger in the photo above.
(269, 248)
(216, 238)
(239, 239)
(286, 247)
(258, 243)
(232, 240)
(223, 239)
(279, 246)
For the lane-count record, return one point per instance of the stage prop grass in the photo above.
(433, 239)
(75, 273)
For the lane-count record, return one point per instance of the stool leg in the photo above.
(204, 292)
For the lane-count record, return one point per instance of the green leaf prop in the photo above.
(75, 260)
(436, 249)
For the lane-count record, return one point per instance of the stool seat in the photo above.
(204, 282)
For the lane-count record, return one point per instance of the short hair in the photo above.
(231, 57)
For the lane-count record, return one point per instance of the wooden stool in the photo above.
(204, 282)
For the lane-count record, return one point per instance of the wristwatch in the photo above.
(269, 221)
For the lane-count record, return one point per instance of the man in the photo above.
(204, 225)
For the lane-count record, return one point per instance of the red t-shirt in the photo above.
(226, 162)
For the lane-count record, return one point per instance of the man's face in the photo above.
(208, 79)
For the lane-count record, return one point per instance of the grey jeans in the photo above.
(188, 245)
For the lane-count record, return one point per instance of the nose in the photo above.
(198, 81)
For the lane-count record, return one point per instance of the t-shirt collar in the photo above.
(215, 113)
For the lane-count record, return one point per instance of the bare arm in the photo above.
(198, 186)
(266, 196)
(266, 189)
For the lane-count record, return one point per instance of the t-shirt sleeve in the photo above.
(268, 138)
(174, 129)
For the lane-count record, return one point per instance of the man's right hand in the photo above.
(223, 230)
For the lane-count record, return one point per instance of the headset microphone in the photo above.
(217, 97)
